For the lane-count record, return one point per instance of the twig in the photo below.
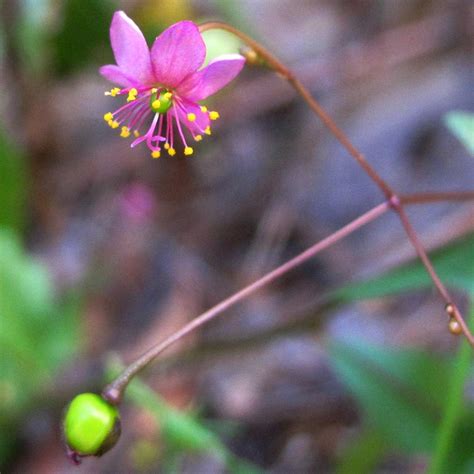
(114, 391)
(425, 198)
(259, 55)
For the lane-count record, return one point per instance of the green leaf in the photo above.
(12, 186)
(363, 454)
(32, 34)
(398, 390)
(454, 264)
(36, 336)
(455, 439)
(84, 29)
(461, 125)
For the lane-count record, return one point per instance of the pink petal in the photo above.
(212, 78)
(177, 52)
(114, 74)
(202, 119)
(130, 48)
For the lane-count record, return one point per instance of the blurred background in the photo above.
(345, 365)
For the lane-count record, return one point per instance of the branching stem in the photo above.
(115, 390)
(263, 56)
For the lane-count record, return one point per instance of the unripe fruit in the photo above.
(91, 426)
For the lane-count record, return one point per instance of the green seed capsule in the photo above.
(91, 426)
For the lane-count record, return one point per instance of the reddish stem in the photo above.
(114, 391)
(259, 55)
(425, 198)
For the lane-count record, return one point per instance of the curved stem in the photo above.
(114, 391)
(266, 58)
(273, 63)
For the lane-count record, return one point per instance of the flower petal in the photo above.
(130, 48)
(114, 74)
(177, 52)
(212, 78)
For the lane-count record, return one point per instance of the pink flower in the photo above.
(164, 84)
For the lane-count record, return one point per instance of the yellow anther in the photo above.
(203, 108)
(166, 146)
(125, 133)
(188, 150)
(198, 138)
(132, 94)
(156, 104)
(113, 124)
(155, 154)
(154, 90)
(136, 133)
(171, 151)
(207, 130)
(108, 116)
(213, 115)
(167, 95)
(191, 117)
(113, 92)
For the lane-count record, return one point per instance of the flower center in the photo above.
(162, 102)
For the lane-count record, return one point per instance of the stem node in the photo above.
(112, 395)
(395, 202)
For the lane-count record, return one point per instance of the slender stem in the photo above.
(340, 135)
(114, 391)
(265, 57)
(451, 309)
(425, 198)
(272, 62)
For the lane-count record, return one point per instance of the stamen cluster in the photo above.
(164, 109)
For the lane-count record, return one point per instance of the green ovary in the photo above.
(161, 103)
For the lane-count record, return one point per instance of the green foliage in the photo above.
(461, 125)
(412, 401)
(454, 264)
(182, 432)
(456, 431)
(12, 186)
(36, 336)
(363, 454)
(400, 394)
(31, 35)
(84, 29)
(398, 391)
